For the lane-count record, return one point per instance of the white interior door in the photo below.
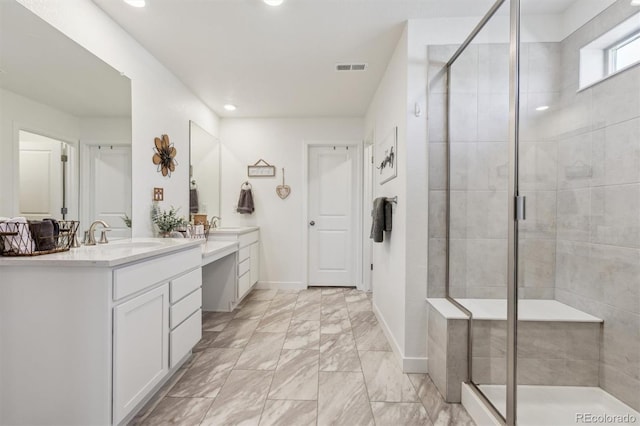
(367, 202)
(40, 177)
(332, 218)
(110, 187)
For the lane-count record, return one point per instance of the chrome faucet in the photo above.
(91, 240)
(215, 222)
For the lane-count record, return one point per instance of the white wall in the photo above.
(280, 142)
(387, 110)
(161, 104)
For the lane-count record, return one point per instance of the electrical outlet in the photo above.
(158, 194)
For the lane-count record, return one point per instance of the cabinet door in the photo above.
(255, 262)
(141, 334)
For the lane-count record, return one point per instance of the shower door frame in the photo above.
(514, 213)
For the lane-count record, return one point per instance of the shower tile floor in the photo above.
(563, 405)
(309, 357)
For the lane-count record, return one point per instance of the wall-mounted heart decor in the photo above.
(283, 190)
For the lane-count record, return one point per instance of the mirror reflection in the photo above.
(204, 179)
(65, 127)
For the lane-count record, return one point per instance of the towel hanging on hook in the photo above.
(246, 185)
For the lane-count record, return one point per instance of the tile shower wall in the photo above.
(598, 203)
(580, 171)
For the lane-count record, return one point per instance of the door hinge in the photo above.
(372, 266)
(63, 210)
(64, 158)
(521, 207)
(372, 159)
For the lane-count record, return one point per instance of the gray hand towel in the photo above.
(245, 202)
(388, 215)
(193, 201)
(378, 222)
(42, 233)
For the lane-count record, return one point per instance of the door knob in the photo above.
(312, 223)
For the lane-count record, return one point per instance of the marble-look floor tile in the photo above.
(439, 411)
(207, 339)
(333, 312)
(296, 376)
(309, 295)
(333, 299)
(308, 311)
(252, 309)
(178, 411)
(289, 413)
(148, 408)
(385, 380)
(216, 321)
(262, 294)
(283, 302)
(342, 400)
(236, 334)
(360, 306)
(400, 413)
(207, 374)
(331, 290)
(275, 321)
(241, 399)
(338, 353)
(353, 296)
(262, 352)
(303, 335)
(367, 332)
(335, 325)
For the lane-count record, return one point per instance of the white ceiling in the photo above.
(41, 63)
(279, 62)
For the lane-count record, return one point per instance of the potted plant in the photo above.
(167, 221)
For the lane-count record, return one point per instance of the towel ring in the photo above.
(245, 185)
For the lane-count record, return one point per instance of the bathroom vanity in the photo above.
(87, 336)
(227, 281)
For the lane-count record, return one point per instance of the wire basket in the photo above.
(21, 239)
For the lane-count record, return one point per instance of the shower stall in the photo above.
(534, 194)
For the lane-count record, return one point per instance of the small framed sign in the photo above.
(261, 170)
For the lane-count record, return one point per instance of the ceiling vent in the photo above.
(351, 67)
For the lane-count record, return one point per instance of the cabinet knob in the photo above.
(312, 223)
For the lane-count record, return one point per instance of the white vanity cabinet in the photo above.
(87, 336)
(247, 271)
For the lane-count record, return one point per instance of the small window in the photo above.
(624, 53)
(610, 53)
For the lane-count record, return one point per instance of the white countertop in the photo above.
(236, 230)
(214, 250)
(114, 253)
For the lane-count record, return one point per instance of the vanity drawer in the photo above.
(184, 338)
(181, 310)
(244, 253)
(249, 238)
(244, 266)
(131, 279)
(185, 284)
(244, 284)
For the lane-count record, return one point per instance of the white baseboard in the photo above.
(280, 285)
(407, 364)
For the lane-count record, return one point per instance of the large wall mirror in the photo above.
(65, 127)
(204, 172)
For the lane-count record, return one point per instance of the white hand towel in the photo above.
(21, 243)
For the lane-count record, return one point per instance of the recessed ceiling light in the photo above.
(136, 3)
(542, 108)
(230, 107)
(635, 2)
(273, 2)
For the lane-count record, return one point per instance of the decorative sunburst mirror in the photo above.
(164, 156)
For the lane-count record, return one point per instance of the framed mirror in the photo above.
(65, 127)
(204, 172)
